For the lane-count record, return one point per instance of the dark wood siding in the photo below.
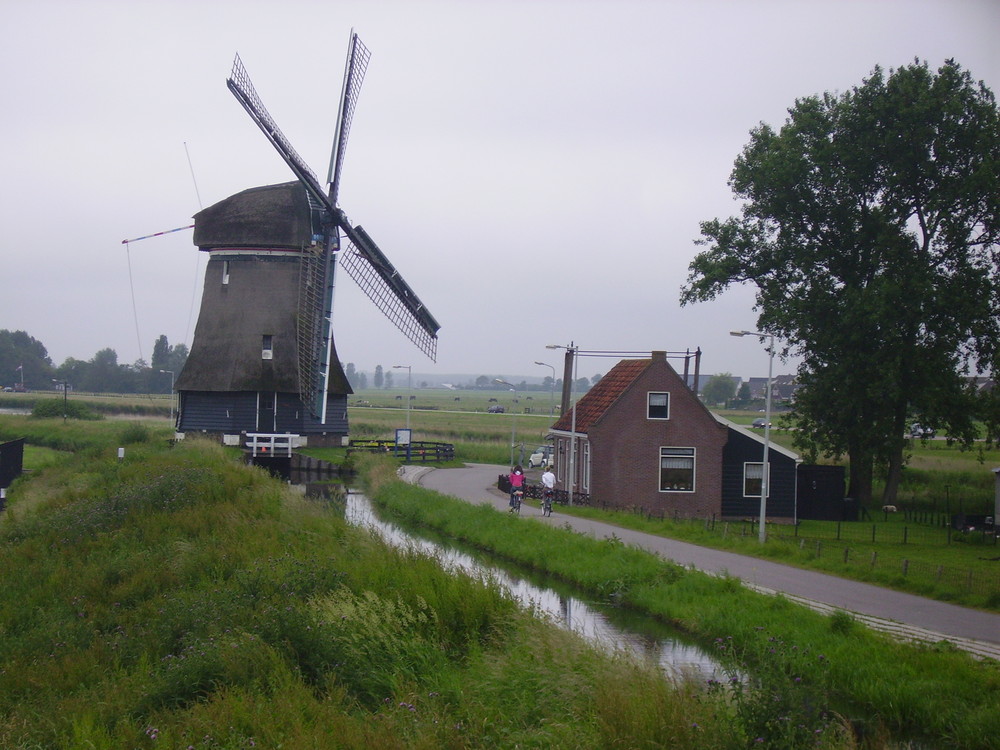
(11, 461)
(741, 449)
(821, 491)
(236, 412)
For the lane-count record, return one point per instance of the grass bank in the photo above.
(910, 551)
(889, 550)
(178, 598)
(797, 657)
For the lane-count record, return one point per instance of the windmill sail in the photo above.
(366, 264)
(241, 86)
(354, 76)
(380, 280)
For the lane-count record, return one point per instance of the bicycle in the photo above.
(515, 502)
(547, 502)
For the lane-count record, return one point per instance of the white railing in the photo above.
(270, 444)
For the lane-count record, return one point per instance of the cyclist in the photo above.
(548, 491)
(516, 488)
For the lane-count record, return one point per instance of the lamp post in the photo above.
(408, 369)
(513, 417)
(171, 374)
(571, 479)
(65, 390)
(552, 387)
(765, 484)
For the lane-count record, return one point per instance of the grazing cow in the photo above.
(888, 508)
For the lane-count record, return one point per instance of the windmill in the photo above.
(263, 357)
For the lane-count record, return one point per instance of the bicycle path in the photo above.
(905, 615)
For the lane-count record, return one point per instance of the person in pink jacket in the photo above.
(516, 484)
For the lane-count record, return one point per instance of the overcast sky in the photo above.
(536, 169)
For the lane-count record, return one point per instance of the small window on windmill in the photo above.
(225, 272)
(266, 349)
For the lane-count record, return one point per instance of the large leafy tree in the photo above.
(719, 389)
(870, 226)
(23, 358)
(103, 374)
(161, 353)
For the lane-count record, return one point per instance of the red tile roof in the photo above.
(595, 402)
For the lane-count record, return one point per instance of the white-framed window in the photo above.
(267, 346)
(753, 479)
(657, 405)
(677, 469)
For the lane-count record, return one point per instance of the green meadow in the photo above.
(179, 598)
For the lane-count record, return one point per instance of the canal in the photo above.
(608, 627)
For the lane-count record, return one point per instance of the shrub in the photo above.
(135, 432)
(56, 407)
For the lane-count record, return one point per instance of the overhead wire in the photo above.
(197, 261)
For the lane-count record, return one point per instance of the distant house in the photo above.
(643, 439)
(983, 384)
(783, 388)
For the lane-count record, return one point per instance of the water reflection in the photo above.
(611, 628)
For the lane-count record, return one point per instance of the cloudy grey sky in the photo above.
(536, 169)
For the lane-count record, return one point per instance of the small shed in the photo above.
(742, 475)
(11, 461)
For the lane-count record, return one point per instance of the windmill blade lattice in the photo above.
(383, 285)
(354, 76)
(312, 315)
(241, 86)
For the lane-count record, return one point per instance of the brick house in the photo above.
(644, 439)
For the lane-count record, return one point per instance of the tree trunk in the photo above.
(894, 476)
(859, 485)
(896, 447)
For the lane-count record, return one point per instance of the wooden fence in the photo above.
(419, 451)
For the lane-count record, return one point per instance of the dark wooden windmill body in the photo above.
(263, 359)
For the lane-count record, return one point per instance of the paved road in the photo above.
(907, 615)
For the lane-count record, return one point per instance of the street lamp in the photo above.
(552, 387)
(572, 351)
(765, 479)
(171, 374)
(513, 417)
(408, 369)
(65, 389)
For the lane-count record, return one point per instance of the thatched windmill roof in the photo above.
(273, 216)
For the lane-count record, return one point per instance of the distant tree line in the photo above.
(25, 361)
(487, 383)
(383, 378)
